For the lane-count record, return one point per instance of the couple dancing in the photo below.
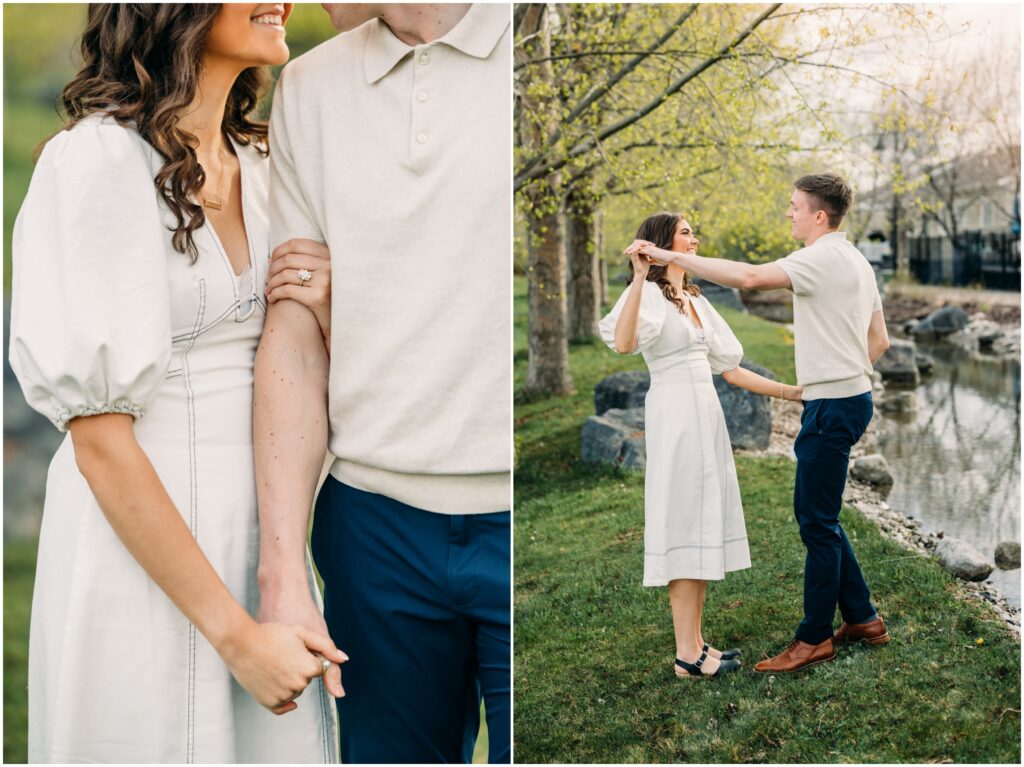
(206, 305)
(694, 529)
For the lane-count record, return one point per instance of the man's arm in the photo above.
(732, 274)
(289, 445)
(878, 337)
(289, 406)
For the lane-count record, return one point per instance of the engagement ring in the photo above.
(304, 276)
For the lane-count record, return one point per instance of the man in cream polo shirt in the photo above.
(391, 144)
(840, 333)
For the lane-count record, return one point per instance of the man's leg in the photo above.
(481, 575)
(411, 684)
(823, 450)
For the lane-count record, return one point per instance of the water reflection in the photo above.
(956, 463)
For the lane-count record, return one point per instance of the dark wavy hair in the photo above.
(140, 65)
(661, 230)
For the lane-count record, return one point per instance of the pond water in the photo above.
(956, 462)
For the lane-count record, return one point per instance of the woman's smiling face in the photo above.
(251, 34)
(684, 241)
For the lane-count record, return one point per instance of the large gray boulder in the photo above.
(719, 295)
(616, 437)
(874, 470)
(622, 390)
(963, 560)
(898, 365)
(748, 416)
(1008, 555)
(616, 434)
(941, 323)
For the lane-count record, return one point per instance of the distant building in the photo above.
(985, 192)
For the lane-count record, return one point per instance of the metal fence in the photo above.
(990, 259)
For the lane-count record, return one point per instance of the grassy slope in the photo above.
(593, 659)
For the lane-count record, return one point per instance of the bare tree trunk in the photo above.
(583, 278)
(548, 363)
(548, 366)
(896, 240)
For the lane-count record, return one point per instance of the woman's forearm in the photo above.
(140, 511)
(625, 328)
(758, 384)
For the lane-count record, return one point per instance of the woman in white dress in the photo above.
(140, 259)
(694, 530)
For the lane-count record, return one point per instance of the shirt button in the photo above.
(422, 138)
(425, 58)
(422, 96)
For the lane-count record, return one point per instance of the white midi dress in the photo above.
(693, 516)
(108, 318)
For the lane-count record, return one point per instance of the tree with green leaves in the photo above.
(705, 107)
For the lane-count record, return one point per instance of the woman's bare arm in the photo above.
(751, 381)
(273, 665)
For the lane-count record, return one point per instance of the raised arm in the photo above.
(878, 337)
(732, 274)
(626, 327)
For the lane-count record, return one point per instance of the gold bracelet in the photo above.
(782, 392)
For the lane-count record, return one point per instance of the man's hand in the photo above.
(295, 606)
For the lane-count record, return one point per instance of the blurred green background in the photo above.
(40, 54)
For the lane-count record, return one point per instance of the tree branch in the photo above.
(539, 170)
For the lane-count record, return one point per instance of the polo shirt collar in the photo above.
(832, 236)
(476, 35)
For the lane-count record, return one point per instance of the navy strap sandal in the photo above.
(694, 669)
(726, 654)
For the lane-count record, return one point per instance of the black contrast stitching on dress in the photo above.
(692, 546)
(192, 503)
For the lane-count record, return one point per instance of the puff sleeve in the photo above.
(90, 308)
(724, 349)
(649, 323)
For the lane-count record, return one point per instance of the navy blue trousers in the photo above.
(829, 428)
(420, 603)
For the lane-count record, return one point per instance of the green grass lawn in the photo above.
(19, 574)
(593, 663)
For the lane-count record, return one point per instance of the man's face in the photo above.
(803, 215)
(346, 16)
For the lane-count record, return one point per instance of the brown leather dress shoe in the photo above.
(797, 656)
(873, 632)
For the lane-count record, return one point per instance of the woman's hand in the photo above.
(286, 262)
(641, 266)
(794, 393)
(275, 662)
(654, 255)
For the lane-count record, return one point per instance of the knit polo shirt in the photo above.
(398, 157)
(834, 296)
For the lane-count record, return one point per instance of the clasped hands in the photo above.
(647, 250)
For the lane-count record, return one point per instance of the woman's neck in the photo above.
(675, 274)
(204, 117)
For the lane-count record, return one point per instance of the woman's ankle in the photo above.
(689, 653)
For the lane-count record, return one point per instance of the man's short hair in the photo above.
(831, 192)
